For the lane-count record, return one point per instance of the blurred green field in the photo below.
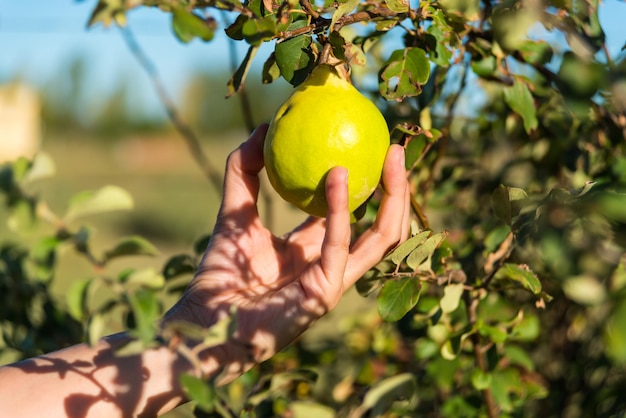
(174, 204)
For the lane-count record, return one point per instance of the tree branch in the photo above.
(213, 175)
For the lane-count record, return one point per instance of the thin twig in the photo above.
(213, 175)
(244, 100)
(471, 306)
(246, 111)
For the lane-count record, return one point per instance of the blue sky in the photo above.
(37, 37)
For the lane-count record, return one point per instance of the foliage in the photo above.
(509, 299)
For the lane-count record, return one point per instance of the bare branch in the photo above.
(213, 175)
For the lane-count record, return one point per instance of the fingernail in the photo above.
(401, 158)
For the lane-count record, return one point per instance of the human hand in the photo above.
(281, 285)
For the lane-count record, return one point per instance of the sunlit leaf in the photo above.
(106, 199)
(425, 250)
(519, 98)
(107, 12)
(522, 275)
(236, 82)
(342, 10)
(76, 298)
(451, 297)
(199, 391)
(306, 409)
(146, 312)
(271, 71)
(147, 278)
(383, 394)
(294, 56)
(187, 25)
(584, 289)
(407, 246)
(403, 74)
(615, 333)
(480, 379)
(130, 246)
(42, 167)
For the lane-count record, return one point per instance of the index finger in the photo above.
(241, 180)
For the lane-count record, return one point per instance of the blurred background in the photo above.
(81, 95)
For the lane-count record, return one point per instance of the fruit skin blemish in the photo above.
(325, 123)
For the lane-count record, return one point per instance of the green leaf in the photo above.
(407, 246)
(201, 244)
(578, 78)
(451, 297)
(536, 52)
(41, 167)
(146, 278)
(257, 31)
(199, 391)
(443, 35)
(281, 380)
(466, 9)
(96, 328)
(485, 67)
(178, 265)
(221, 331)
(507, 202)
(106, 199)
(398, 297)
(44, 254)
(495, 334)
(146, 312)
(294, 56)
(527, 329)
(425, 250)
(383, 394)
(235, 30)
(398, 6)
(76, 298)
(522, 275)
(518, 356)
(270, 71)
(134, 245)
(615, 334)
(236, 82)
(346, 51)
(403, 74)
(107, 12)
(369, 282)
(585, 290)
(480, 380)
(520, 100)
(343, 9)
(307, 409)
(496, 237)
(188, 25)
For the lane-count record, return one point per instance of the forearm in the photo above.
(90, 381)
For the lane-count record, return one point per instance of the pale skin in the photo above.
(279, 285)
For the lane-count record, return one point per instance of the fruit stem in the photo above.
(327, 58)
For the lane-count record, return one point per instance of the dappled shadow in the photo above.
(259, 274)
(129, 374)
